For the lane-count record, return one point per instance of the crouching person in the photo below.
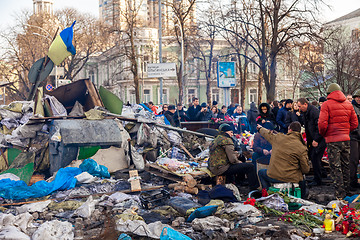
(224, 160)
(289, 158)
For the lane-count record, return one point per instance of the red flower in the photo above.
(250, 201)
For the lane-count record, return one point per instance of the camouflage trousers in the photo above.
(339, 153)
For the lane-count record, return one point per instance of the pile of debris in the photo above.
(77, 166)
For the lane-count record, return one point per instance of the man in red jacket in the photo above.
(337, 119)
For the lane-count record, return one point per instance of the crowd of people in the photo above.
(281, 152)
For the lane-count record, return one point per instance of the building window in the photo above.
(191, 92)
(165, 96)
(92, 76)
(147, 95)
(253, 95)
(215, 94)
(132, 96)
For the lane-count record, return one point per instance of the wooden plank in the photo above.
(187, 152)
(135, 184)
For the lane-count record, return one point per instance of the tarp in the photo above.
(65, 179)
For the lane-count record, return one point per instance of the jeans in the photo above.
(266, 180)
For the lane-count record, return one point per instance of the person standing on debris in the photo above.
(204, 114)
(337, 119)
(355, 143)
(194, 109)
(289, 158)
(281, 116)
(251, 116)
(224, 160)
(181, 114)
(171, 117)
(314, 141)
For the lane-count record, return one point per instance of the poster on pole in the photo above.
(156, 70)
(226, 76)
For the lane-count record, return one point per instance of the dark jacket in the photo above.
(311, 118)
(280, 119)
(268, 116)
(355, 135)
(337, 118)
(182, 114)
(192, 112)
(291, 116)
(260, 144)
(204, 116)
(275, 111)
(174, 121)
(289, 158)
(251, 116)
(242, 120)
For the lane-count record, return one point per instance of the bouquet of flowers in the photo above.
(215, 120)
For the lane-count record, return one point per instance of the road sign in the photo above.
(226, 74)
(156, 70)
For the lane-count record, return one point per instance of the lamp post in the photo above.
(182, 56)
(160, 51)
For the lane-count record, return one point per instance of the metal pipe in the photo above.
(160, 51)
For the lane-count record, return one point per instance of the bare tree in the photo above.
(274, 25)
(184, 20)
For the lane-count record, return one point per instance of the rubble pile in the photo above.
(74, 170)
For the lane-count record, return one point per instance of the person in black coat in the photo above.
(265, 114)
(275, 108)
(205, 114)
(222, 113)
(252, 114)
(294, 115)
(171, 117)
(281, 116)
(314, 141)
(180, 113)
(193, 110)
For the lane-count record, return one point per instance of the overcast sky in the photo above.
(8, 8)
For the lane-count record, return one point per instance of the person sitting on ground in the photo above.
(294, 115)
(289, 158)
(171, 117)
(262, 148)
(265, 114)
(251, 116)
(223, 113)
(224, 160)
(204, 114)
(153, 107)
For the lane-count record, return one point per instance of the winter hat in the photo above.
(171, 107)
(225, 127)
(333, 87)
(356, 93)
(203, 105)
(215, 103)
(288, 101)
(322, 99)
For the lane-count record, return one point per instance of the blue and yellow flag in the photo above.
(62, 46)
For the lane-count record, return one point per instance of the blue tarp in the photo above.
(64, 179)
(91, 166)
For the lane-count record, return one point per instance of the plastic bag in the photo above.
(146, 136)
(56, 136)
(171, 234)
(91, 166)
(56, 107)
(202, 212)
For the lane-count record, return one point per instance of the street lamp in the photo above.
(182, 55)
